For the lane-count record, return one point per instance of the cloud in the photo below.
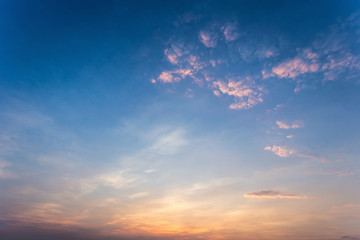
(294, 125)
(230, 32)
(174, 76)
(172, 57)
(195, 62)
(294, 67)
(209, 39)
(290, 136)
(211, 184)
(121, 179)
(281, 151)
(170, 142)
(3, 172)
(349, 237)
(217, 93)
(245, 92)
(273, 194)
(174, 52)
(321, 159)
(334, 54)
(267, 74)
(337, 172)
(139, 195)
(348, 205)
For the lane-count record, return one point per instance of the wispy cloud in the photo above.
(139, 195)
(294, 125)
(336, 172)
(348, 205)
(273, 194)
(5, 173)
(295, 67)
(230, 32)
(209, 39)
(211, 184)
(169, 142)
(121, 179)
(281, 151)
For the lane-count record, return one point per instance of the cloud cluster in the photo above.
(188, 65)
(332, 55)
(273, 194)
(246, 93)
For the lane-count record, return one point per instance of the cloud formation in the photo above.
(295, 67)
(3, 172)
(174, 76)
(208, 38)
(230, 32)
(246, 93)
(273, 194)
(169, 142)
(281, 151)
(294, 125)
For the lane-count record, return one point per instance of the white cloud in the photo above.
(281, 151)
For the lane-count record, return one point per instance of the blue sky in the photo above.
(179, 120)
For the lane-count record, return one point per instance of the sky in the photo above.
(179, 120)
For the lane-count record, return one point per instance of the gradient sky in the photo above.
(179, 120)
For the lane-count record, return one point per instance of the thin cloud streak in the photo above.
(273, 194)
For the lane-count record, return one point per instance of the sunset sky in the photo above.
(179, 120)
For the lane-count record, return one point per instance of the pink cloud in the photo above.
(267, 74)
(281, 151)
(294, 67)
(208, 39)
(273, 194)
(172, 57)
(230, 32)
(246, 93)
(174, 76)
(217, 93)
